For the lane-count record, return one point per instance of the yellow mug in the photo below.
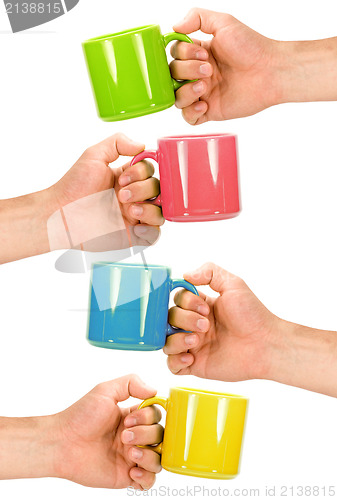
(203, 432)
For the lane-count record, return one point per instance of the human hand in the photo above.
(98, 439)
(99, 203)
(230, 332)
(237, 69)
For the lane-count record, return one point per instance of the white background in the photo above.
(283, 244)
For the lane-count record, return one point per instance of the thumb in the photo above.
(207, 21)
(122, 388)
(111, 148)
(214, 276)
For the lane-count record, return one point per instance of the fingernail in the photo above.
(124, 180)
(185, 358)
(199, 106)
(205, 69)
(125, 195)
(201, 55)
(136, 453)
(203, 310)
(202, 324)
(128, 436)
(130, 421)
(137, 473)
(137, 210)
(190, 340)
(198, 87)
(141, 229)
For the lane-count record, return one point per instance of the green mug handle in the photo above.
(149, 402)
(181, 38)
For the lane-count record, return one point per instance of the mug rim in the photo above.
(197, 136)
(120, 33)
(129, 264)
(189, 390)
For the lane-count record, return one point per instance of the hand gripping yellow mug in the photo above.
(203, 432)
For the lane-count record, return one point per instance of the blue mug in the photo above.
(128, 306)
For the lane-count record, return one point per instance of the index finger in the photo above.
(138, 172)
(184, 50)
(145, 416)
(189, 301)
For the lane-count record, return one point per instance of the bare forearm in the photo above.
(304, 357)
(23, 226)
(307, 71)
(28, 448)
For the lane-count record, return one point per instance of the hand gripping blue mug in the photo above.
(128, 306)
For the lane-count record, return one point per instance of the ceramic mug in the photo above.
(199, 177)
(203, 432)
(129, 72)
(128, 306)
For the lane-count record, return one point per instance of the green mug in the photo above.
(129, 72)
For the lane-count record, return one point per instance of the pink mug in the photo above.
(198, 177)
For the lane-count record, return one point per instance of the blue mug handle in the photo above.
(180, 284)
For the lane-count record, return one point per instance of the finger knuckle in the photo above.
(193, 11)
(161, 221)
(239, 282)
(133, 377)
(189, 300)
(150, 482)
(149, 167)
(155, 183)
(119, 135)
(158, 468)
(210, 265)
(100, 387)
(227, 18)
(90, 151)
(173, 65)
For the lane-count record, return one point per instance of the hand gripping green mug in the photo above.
(129, 72)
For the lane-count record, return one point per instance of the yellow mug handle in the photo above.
(149, 402)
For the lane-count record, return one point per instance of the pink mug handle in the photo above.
(153, 155)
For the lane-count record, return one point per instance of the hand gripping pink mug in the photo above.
(198, 177)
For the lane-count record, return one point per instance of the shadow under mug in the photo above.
(129, 72)
(128, 306)
(203, 432)
(199, 177)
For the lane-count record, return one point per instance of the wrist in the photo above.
(303, 357)
(42, 206)
(275, 359)
(28, 447)
(49, 442)
(23, 226)
(277, 352)
(306, 71)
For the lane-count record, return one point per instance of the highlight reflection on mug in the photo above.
(23, 14)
